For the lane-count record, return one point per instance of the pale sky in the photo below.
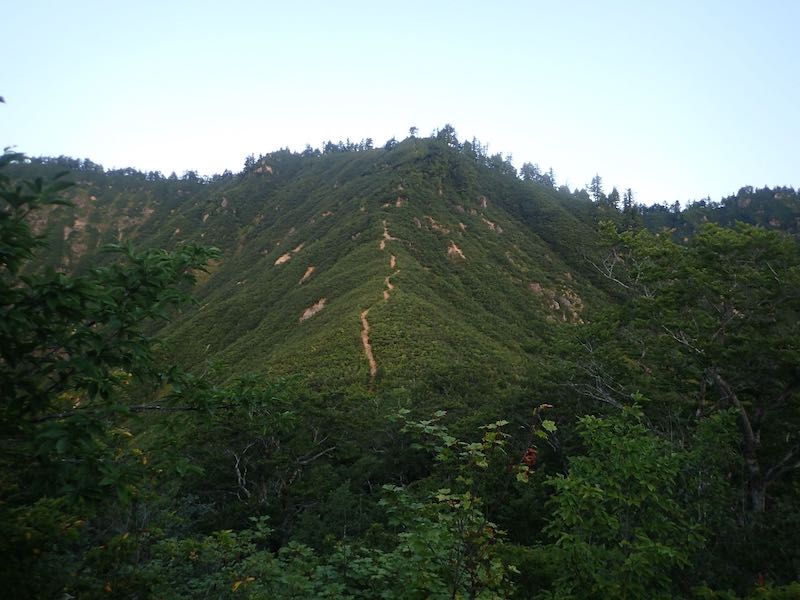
(677, 100)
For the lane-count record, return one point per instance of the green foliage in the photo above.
(62, 334)
(436, 544)
(123, 477)
(708, 329)
(618, 528)
(717, 322)
(17, 240)
(775, 208)
(69, 346)
(762, 592)
(40, 543)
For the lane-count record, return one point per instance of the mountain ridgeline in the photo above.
(363, 267)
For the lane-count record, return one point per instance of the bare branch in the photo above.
(596, 392)
(750, 439)
(682, 339)
(774, 274)
(607, 271)
(784, 465)
(308, 460)
(241, 471)
(702, 399)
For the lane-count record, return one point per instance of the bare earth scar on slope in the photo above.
(307, 275)
(566, 304)
(288, 256)
(454, 251)
(313, 309)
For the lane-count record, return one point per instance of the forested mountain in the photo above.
(456, 267)
(771, 208)
(404, 372)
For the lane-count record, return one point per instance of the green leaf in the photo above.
(61, 445)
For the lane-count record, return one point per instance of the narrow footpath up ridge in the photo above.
(373, 366)
(388, 279)
(386, 236)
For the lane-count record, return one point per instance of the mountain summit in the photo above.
(416, 261)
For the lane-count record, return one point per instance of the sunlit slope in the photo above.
(370, 268)
(378, 267)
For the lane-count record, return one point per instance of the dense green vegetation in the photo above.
(566, 405)
(333, 207)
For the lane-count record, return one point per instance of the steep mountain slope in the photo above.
(374, 267)
(415, 288)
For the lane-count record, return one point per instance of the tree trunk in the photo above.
(756, 482)
(758, 496)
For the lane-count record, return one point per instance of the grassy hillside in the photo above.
(455, 266)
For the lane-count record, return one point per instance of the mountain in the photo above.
(419, 264)
(770, 208)
(464, 384)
